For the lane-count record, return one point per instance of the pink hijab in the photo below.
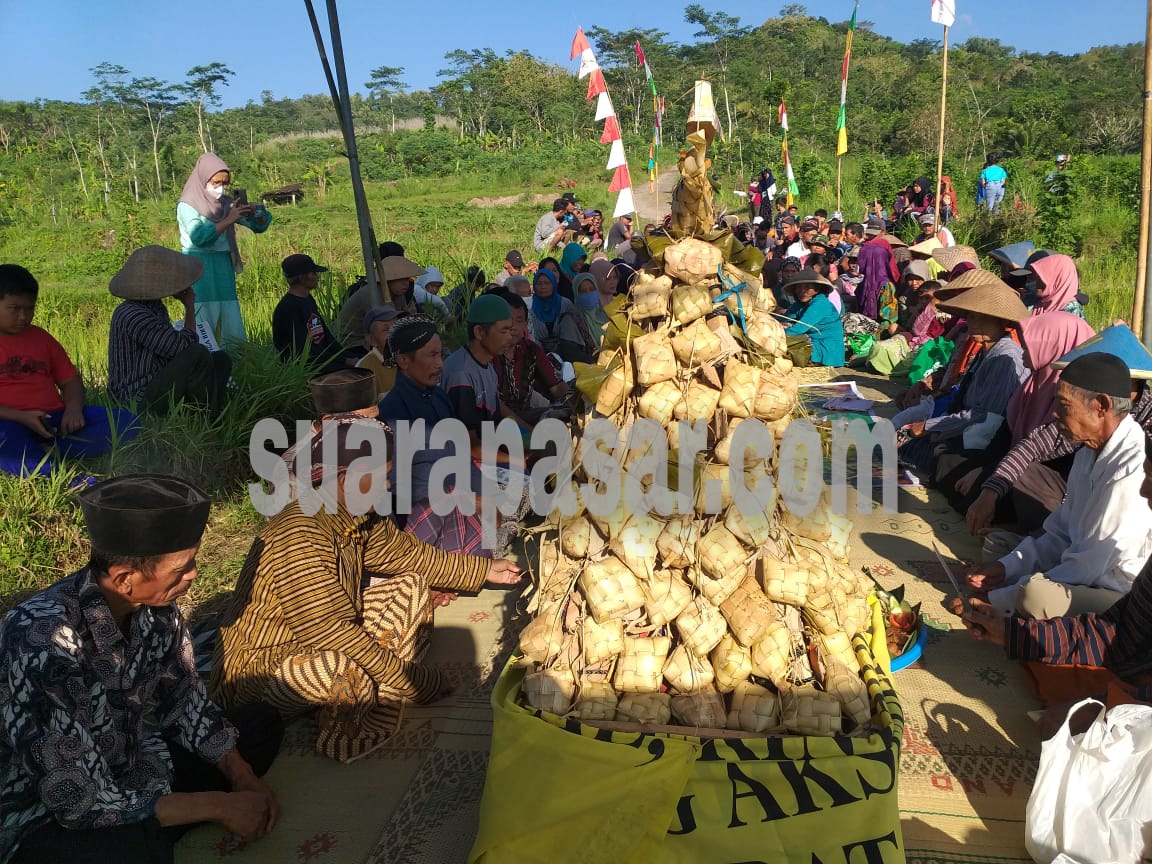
(1061, 282)
(1046, 338)
(195, 194)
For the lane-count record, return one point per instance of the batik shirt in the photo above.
(83, 709)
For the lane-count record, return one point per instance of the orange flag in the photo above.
(579, 44)
(596, 84)
(620, 180)
(611, 130)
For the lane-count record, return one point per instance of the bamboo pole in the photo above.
(839, 166)
(338, 87)
(1142, 298)
(943, 109)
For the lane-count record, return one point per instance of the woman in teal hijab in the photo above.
(574, 260)
(590, 308)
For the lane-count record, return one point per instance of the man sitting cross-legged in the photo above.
(109, 747)
(1096, 542)
(332, 612)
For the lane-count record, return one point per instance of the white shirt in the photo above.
(1100, 535)
(797, 250)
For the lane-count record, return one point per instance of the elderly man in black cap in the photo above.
(1096, 542)
(514, 265)
(109, 745)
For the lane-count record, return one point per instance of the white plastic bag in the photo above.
(1092, 801)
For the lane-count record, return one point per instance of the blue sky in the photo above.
(49, 45)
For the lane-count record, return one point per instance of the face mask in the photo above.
(215, 190)
(588, 301)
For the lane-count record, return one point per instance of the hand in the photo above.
(964, 484)
(503, 572)
(531, 267)
(442, 598)
(915, 430)
(37, 421)
(187, 297)
(985, 623)
(984, 577)
(247, 814)
(981, 513)
(72, 421)
(249, 782)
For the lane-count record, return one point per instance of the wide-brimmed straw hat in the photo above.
(808, 276)
(398, 267)
(925, 248)
(894, 241)
(949, 256)
(982, 292)
(155, 272)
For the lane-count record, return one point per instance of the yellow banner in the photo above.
(560, 792)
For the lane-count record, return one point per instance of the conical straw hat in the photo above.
(1119, 341)
(926, 247)
(984, 293)
(155, 272)
(950, 256)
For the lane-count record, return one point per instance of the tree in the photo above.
(721, 29)
(158, 99)
(386, 81)
(794, 10)
(473, 83)
(616, 53)
(202, 89)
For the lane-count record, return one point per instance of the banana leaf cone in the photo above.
(619, 331)
(590, 377)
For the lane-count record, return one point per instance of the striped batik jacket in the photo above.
(299, 592)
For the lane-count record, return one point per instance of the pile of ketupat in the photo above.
(707, 621)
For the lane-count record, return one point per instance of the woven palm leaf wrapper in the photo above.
(741, 383)
(703, 709)
(753, 531)
(596, 701)
(754, 708)
(767, 333)
(700, 626)
(690, 302)
(723, 449)
(576, 537)
(677, 542)
(699, 403)
(654, 709)
(722, 557)
(848, 687)
(840, 541)
(615, 388)
(660, 402)
(696, 344)
(692, 260)
(776, 396)
(731, 663)
(666, 595)
(601, 642)
(635, 545)
(748, 612)
(610, 589)
(839, 647)
(816, 525)
(712, 474)
(686, 672)
(650, 296)
(808, 711)
(550, 689)
(655, 360)
(640, 668)
(783, 581)
(543, 636)
(772, 653)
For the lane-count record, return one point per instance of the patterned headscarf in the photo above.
(410, 333)
(342, 454)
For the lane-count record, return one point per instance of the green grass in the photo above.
(40, 534)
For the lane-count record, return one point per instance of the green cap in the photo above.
(488, 309)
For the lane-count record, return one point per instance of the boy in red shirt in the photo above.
(42, 410)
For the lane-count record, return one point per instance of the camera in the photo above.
(240, 196)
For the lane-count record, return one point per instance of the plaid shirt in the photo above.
(80, 704)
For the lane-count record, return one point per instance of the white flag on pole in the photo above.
(604, 108)
(616, 156)
(624, 203)
(588, 63)
(944, 12)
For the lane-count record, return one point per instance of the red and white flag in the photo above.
(783, 117)
(944, 12)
